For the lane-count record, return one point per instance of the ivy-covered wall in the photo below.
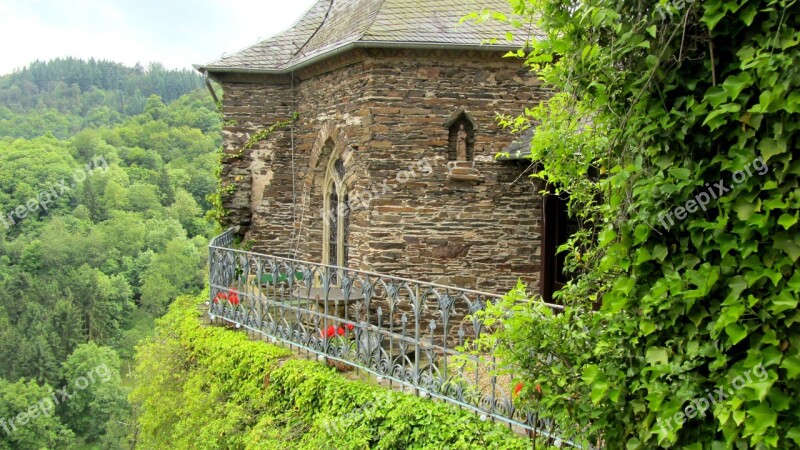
(201, 387)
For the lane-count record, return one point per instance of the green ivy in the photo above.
(216, 213)
(657, 102)
(264, 134)
(210, 387)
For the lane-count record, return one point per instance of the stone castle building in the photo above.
(366, 136)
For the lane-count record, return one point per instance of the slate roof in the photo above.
(520, 148)
(330, 25)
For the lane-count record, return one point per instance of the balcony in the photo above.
(402, 331)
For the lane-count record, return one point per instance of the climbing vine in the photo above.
(674, 132)
(217, 211)
(264, 134)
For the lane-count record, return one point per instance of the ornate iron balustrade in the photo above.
(398, 329)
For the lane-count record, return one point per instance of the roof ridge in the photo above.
(326, 29)
(319, 27)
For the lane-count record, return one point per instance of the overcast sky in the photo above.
(177, 33)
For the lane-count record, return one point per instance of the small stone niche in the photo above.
(461, 148)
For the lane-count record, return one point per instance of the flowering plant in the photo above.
(519, 386)
(340, 331)
(232, 296)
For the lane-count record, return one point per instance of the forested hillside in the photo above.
(105, 172)
(63, 96)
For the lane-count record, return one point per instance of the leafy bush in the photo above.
(210, 387)
(658, 102)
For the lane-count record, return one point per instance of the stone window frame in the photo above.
(335, 183)
(331, 144)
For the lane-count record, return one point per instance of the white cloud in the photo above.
(177, 33)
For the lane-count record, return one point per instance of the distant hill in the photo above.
(64, 96)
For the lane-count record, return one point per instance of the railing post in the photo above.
(417, 315)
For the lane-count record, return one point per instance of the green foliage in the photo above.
(115, 247)
(656, 103)
(92, 375)
(64, 96)
(40, 427)
(263, 135)
(209, 387)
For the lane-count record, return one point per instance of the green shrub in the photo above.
(657, 103)
(210, 387)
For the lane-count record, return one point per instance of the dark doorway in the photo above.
(557, 227)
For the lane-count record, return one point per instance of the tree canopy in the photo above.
(106, 227)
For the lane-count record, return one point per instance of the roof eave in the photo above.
(287, 70)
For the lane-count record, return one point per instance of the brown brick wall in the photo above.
(387, 110)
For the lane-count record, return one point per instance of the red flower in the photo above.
(518, 388)
(220, 296)
(340, 331)
(233, 298)
(331, 331)
(539, 388)
(350, 326)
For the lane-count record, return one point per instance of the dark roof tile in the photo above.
(331, 24)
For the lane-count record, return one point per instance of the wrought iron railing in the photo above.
(402, 330)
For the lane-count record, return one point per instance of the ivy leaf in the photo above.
(714, 119)
(794, 282)
(607, 236)
(660, 252)
(599, 389)
(651, 30)
(737, 284)
(656, 356)
(761, 389)
(770, 147)
(786, 243)
(728, 316)
(759, 420)
(793, 102)
(681, 174)
(794, 434)
(792, 366)
(590, 373)
(744, 208)
(711, 19)
(716, 96)
(782, 302)
(734, 85)
(736, 332)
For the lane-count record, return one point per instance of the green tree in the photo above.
(176, 270)
(27, 418)
(103, 301)
(92, 375)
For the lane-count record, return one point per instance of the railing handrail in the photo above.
(370, 273)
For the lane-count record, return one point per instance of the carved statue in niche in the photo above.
(461, 143)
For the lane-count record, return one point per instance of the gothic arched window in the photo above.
(336, 228)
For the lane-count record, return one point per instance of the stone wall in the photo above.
(385, 111)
